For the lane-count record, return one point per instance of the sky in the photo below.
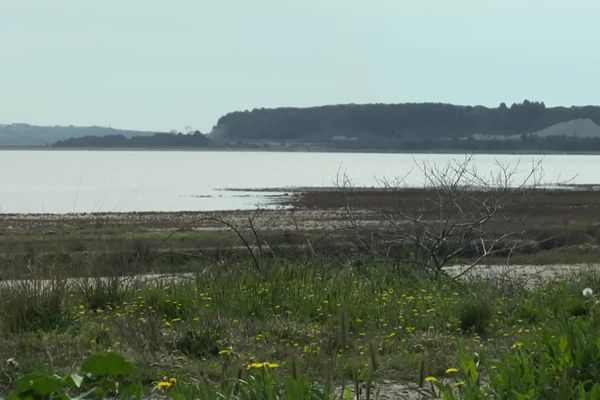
(181, 64)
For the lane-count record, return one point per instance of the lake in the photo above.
(39, 181)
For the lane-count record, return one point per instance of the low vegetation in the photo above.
(309, 329)
(247, 307)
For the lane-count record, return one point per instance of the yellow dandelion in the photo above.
(431, 379)
(163, 385)
(254, 365)
(259, 365)
(451, 370)
(517, 346)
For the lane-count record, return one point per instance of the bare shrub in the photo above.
(455, 215)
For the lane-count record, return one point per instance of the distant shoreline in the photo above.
(295, 150)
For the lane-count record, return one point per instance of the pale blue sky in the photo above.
(163, 65)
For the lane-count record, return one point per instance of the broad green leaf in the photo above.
(109, 364)
(595, 392)
(39, 384)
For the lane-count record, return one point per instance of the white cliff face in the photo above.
(582, 127)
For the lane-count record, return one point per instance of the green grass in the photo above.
(104, 240)
(131, 249)
(85, 253)
(325, 320)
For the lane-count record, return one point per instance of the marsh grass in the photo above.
(31, 305)
(474, 313)
(100, 292)
(199, 342)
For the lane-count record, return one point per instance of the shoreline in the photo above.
(296, 199)
(540, 152)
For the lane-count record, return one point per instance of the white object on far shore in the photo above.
(587, 292)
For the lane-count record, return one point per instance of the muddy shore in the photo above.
(315, 208)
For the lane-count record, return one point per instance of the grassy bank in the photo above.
(129, 250)
(329, 322)
(551, 226)
(303, 303)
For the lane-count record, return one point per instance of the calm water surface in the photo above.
(115, 181)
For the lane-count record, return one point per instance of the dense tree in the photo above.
(393, 121)
(400, 127)
(196, 139)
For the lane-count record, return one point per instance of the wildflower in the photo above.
(459, 383)
(163, 385)
(254, 365)
(259, 365)
(587, 292)
(517, 346)
(431, 379)
(225, 352)
(451, 370)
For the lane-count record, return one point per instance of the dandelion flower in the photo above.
(517, 346)
(431, 379)
(259, 365)
(254, 365)
(163, 385)
(451, 370)
(587, 292)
